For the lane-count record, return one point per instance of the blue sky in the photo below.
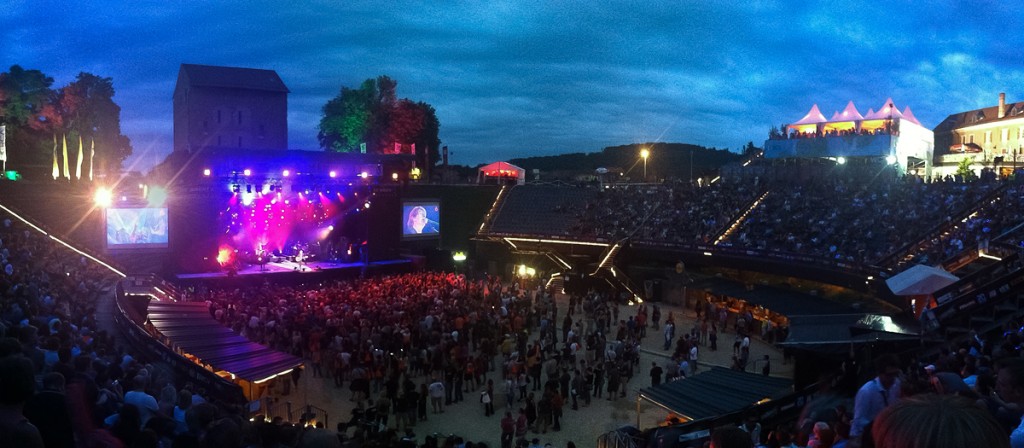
(522, 78)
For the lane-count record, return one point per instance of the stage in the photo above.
(293, 272)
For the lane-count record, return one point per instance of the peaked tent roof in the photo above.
(501, 166)
(850, 113)
(716, 392)
(920, 280)
(835, 116)
(887, 110)
(233, 77)
(909, 116)
(814, 116)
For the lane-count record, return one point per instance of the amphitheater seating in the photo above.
(540, 210)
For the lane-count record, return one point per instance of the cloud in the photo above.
(517, 78)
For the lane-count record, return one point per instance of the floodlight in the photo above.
(103, 197)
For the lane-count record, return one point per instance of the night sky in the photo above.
(523, 78)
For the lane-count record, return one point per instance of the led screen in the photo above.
(421, 219)
(136, 228)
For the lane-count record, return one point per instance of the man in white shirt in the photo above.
(138, 397)
(876, 394)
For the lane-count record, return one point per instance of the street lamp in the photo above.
(644, 154)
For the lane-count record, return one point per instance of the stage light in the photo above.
(333, 174)
(206, 172)
(286, 173)
(103, 197)
(331, 228)
(841, 160)
(891, 160)
(367, 204)
(224, 255)
(247, 172)
(459, 256)
(364, 175)
(157, 196)
(394, 176)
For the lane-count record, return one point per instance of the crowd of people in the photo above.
(668, 212)
(855, 223)
(834, 219)
(64, 380)
(407, 346)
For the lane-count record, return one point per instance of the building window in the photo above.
(970, 138)
(1006, 134)
(988, 137)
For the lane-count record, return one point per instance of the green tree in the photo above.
(35, 113)
(27, 110)
(963, 169)
(346, 119)
(87, 109)
(372, 114)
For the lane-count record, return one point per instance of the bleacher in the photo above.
(539, 210)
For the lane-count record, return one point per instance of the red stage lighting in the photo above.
(224, 255)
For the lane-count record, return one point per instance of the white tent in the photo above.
(850, 113)
(502, 172)
(918, 284)
(920, 280)
(887, 111)
(812, 117)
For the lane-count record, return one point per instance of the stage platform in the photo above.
(292, 272)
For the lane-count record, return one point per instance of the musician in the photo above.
(417, 222)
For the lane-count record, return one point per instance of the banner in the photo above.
(3, 145)
(67, 174)
(78, 169)
(56, 170)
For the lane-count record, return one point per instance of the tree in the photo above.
(27, 110)
(373, 115)
(964, 171)
(86, 108)
(35, 113)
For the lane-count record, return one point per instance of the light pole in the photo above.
(644, 154)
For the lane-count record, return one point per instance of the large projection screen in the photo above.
(421, 219)
(136, 228)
